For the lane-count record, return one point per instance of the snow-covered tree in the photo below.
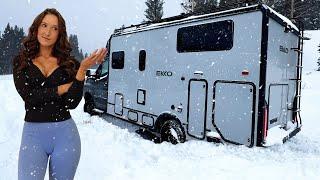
(230, 4)
(10, 45)
(76, 52)
(154, 11)
(200, 6)
(306, 11)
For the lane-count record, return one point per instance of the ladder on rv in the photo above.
(297, 100)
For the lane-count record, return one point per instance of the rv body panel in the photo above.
(281, 75)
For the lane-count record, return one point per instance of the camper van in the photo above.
(229, 77)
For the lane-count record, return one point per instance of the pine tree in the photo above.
(209, 6)
(200, 6)
(154, 11)
(230, 4)
(78, 54)
(9, 47)
(306, 11)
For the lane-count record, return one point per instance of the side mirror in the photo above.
(99, 70)
(88, 73)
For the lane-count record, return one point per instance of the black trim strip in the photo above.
(262, 77)
(205, 113)
(108, 46)
(253, 109)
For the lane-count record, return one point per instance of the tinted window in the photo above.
(142, 60)
(105, 65)
(215, 36)
(118, 60)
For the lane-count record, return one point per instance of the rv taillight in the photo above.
(265, 122)
(245, 73)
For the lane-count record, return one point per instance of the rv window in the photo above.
(215, 36)
(142, 60)
(118, 60)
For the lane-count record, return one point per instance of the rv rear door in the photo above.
(233, 111)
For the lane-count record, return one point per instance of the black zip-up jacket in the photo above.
(40, 93)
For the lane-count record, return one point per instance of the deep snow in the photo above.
(111, 152)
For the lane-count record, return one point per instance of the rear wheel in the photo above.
(173, 132)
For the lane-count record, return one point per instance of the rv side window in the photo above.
(142, 60)
(118, 60)
(215, 36)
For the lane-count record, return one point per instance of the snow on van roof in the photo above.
(285, 19)
(151, 25)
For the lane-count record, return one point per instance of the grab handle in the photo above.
(198, 73)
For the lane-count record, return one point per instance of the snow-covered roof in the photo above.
(285, 19)
(152, 25)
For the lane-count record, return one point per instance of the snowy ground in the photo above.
(110, 152)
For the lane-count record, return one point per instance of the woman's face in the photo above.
(48, 31)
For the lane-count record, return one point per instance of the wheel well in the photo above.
(87, 96)
(163, 118)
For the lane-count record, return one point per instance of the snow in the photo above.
(285, 19)
(117, 152)
(310, 47)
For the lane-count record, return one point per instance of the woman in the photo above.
(50, 82)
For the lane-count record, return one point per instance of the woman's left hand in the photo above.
(96, 57)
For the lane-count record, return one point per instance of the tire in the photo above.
(173, 132)
(89, 106)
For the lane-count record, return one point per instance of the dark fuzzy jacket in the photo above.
(40, 93)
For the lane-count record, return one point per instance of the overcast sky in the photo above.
(92, 20)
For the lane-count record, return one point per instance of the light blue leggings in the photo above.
(60, 141)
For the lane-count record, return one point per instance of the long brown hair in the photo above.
(61, 49)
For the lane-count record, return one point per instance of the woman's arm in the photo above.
(73, 95)
(73, 91)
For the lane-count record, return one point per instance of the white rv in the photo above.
(230, 77)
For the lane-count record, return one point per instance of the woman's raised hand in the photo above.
(96, 57)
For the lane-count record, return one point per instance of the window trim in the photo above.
(178, 42)
(112, 64)
(145, 58)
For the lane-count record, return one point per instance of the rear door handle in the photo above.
(198, 73)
